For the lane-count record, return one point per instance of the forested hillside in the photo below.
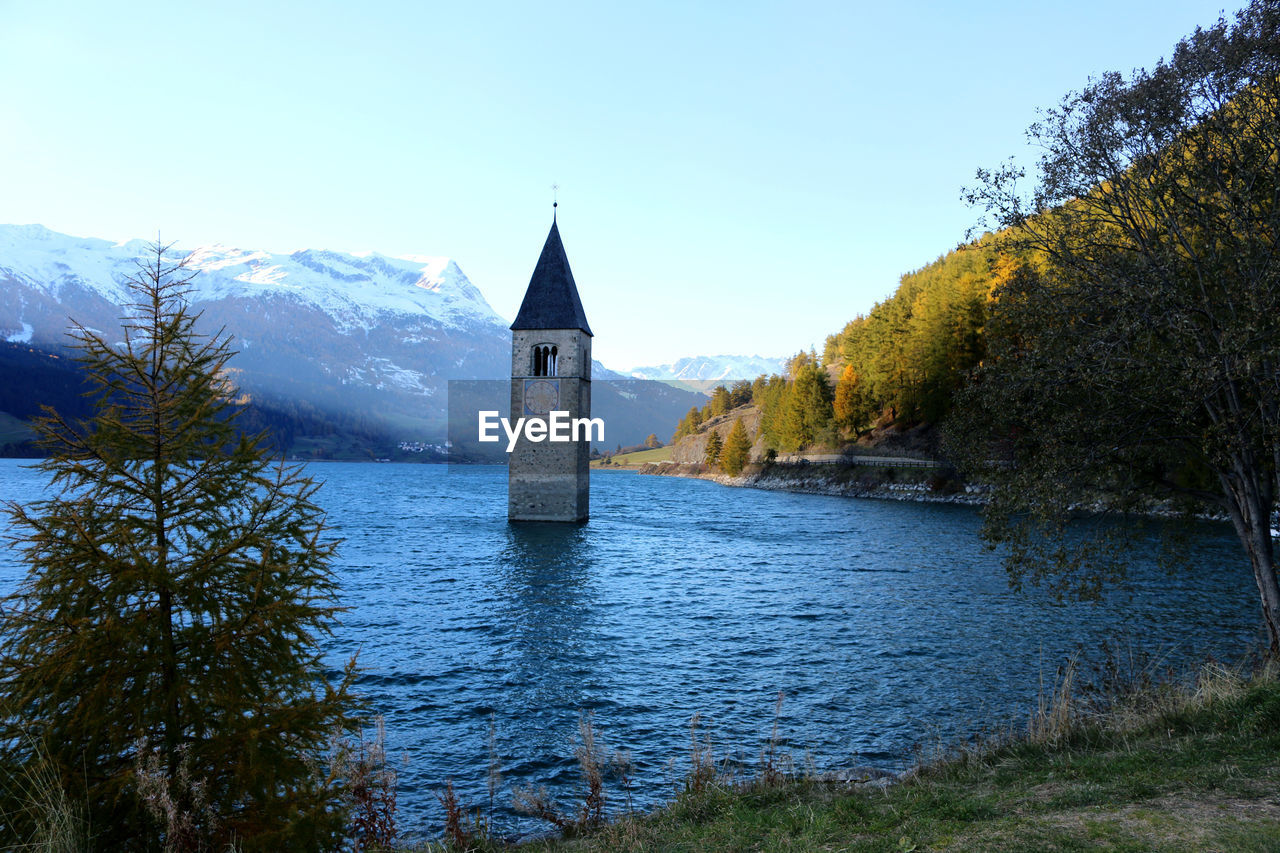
(900, 364)
(910, 353)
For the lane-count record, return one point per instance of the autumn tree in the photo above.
(711, 454)
(1138, 352)
(719, 401)
(689, 424)
(770, 396)
(737, 449)
(807, 412)
(913, 351)
(852, 406)
(165, 642)
(740, 393)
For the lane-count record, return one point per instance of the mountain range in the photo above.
(366, 340)
(712, 368)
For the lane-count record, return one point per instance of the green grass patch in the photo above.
(633, 460)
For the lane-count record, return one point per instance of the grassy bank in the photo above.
(634, 460)
(1192, 767)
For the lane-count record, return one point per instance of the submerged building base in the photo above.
(561, 498)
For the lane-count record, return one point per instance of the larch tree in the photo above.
(851, 407)
(720, 401)
(807, 413)
(711, 453)
(1135, 354)
(162, 656)
(736, 450)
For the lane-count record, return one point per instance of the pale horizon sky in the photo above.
(736, 177)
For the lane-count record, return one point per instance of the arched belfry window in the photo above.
(545, 357)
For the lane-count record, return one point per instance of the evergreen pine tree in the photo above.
(772, 399)
(720, 401)
(807, 413)
(737, 449)
(688, 424)
(165, 641)
(714, 445)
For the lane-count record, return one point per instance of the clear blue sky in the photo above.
(736, 177)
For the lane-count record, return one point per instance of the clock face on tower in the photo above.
(541, 396)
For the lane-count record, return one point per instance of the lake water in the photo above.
(885, 624)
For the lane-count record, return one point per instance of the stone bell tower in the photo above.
(550, 371)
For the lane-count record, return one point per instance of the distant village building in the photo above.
(550, 371)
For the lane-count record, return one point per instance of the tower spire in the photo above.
(551, 300)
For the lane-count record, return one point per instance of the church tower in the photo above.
(550, 371)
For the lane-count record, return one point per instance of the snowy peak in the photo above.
(354, 289)
(47, 261)
(358, 291)
(712, 368)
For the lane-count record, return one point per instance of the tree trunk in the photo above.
(1249, 501)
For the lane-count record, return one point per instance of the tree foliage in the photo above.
(719, 401)
(852, 406)
(736, 451)
(807, 412)
(740, 393)
(179, 582)
(711, 454)
(688, 424)
(911, 352)
(1135, 348)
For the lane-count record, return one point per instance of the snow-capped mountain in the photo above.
(712, 368)
(356, 291)
(329, 327)
(363, 339)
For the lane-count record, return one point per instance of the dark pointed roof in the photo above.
(552, 302)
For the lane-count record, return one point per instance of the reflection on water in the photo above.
(544, 573)
(885, 624)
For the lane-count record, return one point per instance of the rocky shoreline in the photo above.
(830, 479)
(858, 481)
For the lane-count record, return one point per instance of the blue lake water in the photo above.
(885, 624)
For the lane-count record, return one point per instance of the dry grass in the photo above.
(775, 765)
(57, 823)
(592, 764)
(702, 760)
